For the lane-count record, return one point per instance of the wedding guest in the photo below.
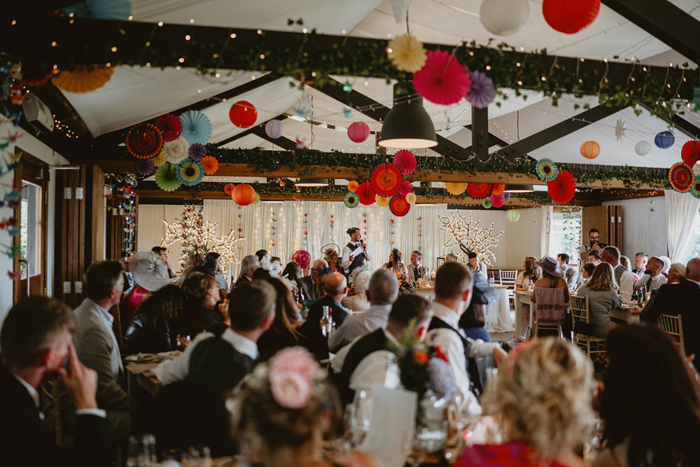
(150, 275)
(529, 276)
(292, 272)
(416, 270)
(395, 264)
(212, 266)
(652, 278)
(156, 325)
(36, 344)
(667, 265)
(128, 279)
(333, 260)
(453, 293)
(262, 254)
(570, 273)
(162, 254)
(275, 426)
(358, 301)
(382, 292)
(625, 261)
(473, 322)
(200, 310)
(640, 263)
(336, 288)
(676, 275)
(308, 283)
(274, 267)
(477, 266)
(451, 258)
(552, 278)
(602, 297)
(194, 261)
(248, 266)
(586, 274)
(97, 347)
(544, 402)
(213, 364)
(649, 406)
(351, 261)
(593, 244)
(594, 257)
(623, 278)
(369, 360)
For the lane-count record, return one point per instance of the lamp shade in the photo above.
(520, 188)
(407, 125)
(312, 182)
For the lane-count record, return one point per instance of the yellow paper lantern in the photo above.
(590, 149)
(83, 80)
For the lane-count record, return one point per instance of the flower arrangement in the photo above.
(406, 285)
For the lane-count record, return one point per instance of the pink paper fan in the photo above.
(405, 161)
(406, 188)
(443, 80)
(496, 201)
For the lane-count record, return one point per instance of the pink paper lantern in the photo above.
(274, 129)
(358, 132)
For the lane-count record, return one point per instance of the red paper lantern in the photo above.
(243, 114)
(243, 194)
(570, 16)
(562, 188)
(689, 153)
(358, 132)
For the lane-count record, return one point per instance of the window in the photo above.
(565, 233)
(30, 230)
(693, 250)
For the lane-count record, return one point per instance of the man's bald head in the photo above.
(692, 271)
(336, 284)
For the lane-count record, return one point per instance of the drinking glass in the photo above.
(200, 456)
(175, 455)
(142, 451)
(360, 417)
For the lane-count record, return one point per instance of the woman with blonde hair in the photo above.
(530, 275)
(602, 297)
(544, 402)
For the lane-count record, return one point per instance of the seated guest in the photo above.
(150, 275)
(625, 261)
(128, 279)
(97, 346)
(275, 425)
(248, 266)
(544, 402)
(640, 263)
(649, 407)
(336, 287)
(667, 265)
(416, 270)
(652, 278)
(382, 292)
(602, 297)
(211, 266)
(156, 324)
(162, 254)
(369, 360)
(586, 274)
(333, 260)
(292, 272)
(570, 273)
(453, 293)
(191, 407)
(36, 343)
(477, 266)
(552, 279)
(594, 257)
(193, 263)
(395, 264)
(529, 276)
(200, 310)
(451, 258)
(681, 299)
(623, 278)
(274, 267)
(473, 322)
(357, 299)
(308, 283)
(676, 274)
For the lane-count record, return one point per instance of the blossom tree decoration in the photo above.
(198, 236)
(470, 237)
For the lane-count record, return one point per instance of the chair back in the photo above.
(580, 309)
(673, 326)
(507, 276)
(550, 304)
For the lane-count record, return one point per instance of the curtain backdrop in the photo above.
(681, 209)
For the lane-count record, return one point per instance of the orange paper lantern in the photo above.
(590, 149)
(243, 194)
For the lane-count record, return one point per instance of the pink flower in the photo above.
(291, 377)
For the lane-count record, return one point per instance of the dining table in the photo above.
(139, 371)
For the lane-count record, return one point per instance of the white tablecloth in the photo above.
(498, 317)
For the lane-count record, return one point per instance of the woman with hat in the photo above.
(552, 278)
(150, 275)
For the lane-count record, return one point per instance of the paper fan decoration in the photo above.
(411, 198)
(479, 190)
(302, 258)
(382, 201)
(166, 177)
(36, 74)
(690, 151)
(695, 188)
(406, 188)
(386, 179)
(486, 203)
(681, 177)
(481, 91)
(405, 161)
(506, 196)
(170, 125)
(496, 200)
(406, 53)
(161, 158)
(210, 165)
(144, 140)
(443, 80)
(547, 170)
(498, 188)
(83, 80)
(352, 186)
(256, 198)
(365, 193)
(190, 172)
(177, 150)
(562, 188)
(228, 189)
(351, 200)
(399, 206)
(196, 127)
(144, 167)
(455, 189)
(197, 152)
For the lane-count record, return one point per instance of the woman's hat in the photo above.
(550, 266)
(148, 271)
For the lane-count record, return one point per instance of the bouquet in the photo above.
(406, 285)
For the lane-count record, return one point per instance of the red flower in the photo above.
(422, 357)
(440, 355)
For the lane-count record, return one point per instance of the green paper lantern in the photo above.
(486, 203)
(512, 215)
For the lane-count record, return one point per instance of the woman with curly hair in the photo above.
(395, 264)
(155, 326)
(544, 401)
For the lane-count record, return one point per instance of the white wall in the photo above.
(642, 228)
(523, 238)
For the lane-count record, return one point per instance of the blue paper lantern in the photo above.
(664, 140)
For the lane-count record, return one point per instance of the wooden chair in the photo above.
(673, 326)
(550, 310)
(580, 313)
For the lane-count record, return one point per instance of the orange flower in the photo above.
(421, 357)
(228, 189)
(353, 186)
(210, 164)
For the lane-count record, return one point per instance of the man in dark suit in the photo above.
(681, 299)
(308, 283)
(36, 341)
(336, 290)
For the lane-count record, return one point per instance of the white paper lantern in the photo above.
(504, 17)
(696, 169)
(642, 148)
(274, 129)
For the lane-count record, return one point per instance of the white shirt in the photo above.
(35, 397)
(652, 282)
(451, 345)
(347, 252)
(179, 367)
(626, 285)
(377, 316)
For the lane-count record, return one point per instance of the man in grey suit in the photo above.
(416, 270)
(308, 283)
(97, 346)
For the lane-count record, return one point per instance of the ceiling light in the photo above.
(407, 125)
(312, 182)
(520, 188)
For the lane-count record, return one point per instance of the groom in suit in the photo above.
(36, 342)
(416, 270)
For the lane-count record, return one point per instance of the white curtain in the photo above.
(681, 209)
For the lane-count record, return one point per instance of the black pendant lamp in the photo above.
(407, 125)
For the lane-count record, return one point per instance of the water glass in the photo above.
(360, 417)
(142, 451)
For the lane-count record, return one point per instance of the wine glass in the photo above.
(142, 451)
(360, 417)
